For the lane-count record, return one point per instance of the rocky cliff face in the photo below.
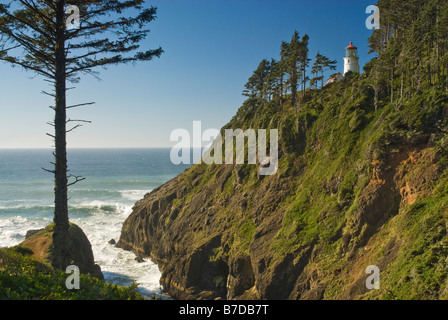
(354, 188)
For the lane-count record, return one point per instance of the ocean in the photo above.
(115, 180)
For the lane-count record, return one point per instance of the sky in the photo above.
(211, 48)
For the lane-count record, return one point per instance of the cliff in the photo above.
(355, 187)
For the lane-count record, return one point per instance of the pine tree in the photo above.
(304, 61)
(411, 47)
(256, 86)
(290, 57)
(321, 65)
(294, 57)
(42, 43)
(316, 71)
(276, 80)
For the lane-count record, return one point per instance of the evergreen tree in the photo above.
(316, 71)
(270, 88)
(412, 48)
(321, 65)
(304, 61)
(36, 29)
(290, 57)
(294, 57)
(275, 81)
(256, 87)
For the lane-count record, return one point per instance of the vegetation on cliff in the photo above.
(25, 278)
(362, 181)
(26, 272)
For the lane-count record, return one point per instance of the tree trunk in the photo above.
(402, 87)
(294, 89)
(322, 78)
(281, 93)
(392, 85)
(446, 80)
(304, 79)
(376, 97)
(438, 69)
(61, 256)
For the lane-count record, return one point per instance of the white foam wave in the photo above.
(13, 229)
(25, 207)
(118, 266)
(134, 195)
(97, 207)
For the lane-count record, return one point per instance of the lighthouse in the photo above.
(351, 59)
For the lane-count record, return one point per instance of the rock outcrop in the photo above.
(79, 247)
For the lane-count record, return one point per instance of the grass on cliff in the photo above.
(23, 277)
(420, 270)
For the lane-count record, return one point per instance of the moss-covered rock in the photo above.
(77, 244)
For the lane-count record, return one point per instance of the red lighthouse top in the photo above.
(351, 46)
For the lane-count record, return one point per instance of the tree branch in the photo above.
(27, 67)
(75, 127)
(49, 94)
(74, 120)
(28, 24)
(33, 7)
(77, 179)
(50, 171)
(80, 105)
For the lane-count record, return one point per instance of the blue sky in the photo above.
(211, 49)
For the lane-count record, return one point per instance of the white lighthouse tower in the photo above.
(351, 59)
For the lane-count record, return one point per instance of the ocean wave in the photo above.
(34, 207)
(84, 208)
(95, 193)
(13, 229)
(97, 207)
(134, 195)
(16, 220)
